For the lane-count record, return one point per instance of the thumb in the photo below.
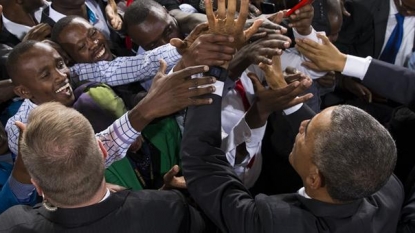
(20, 125)
(255, 82)
(162, 68)
(170, 174)
(198, 30)
(253, 29)
(178, 43)
(324, 38)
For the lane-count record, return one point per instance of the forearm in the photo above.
(124, 70)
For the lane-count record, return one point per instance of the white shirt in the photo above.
(405, 50)
(20, 30)
(292, 57)
(100, 24)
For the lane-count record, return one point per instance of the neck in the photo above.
(79, 10)
(18, 15)
(320, 194)
(102, 190)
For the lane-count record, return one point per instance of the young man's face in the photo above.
(157, 30)
(84, 43)
(43, 76)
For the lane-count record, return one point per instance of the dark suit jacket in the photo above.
(393, 82)
(126, 211)
(363, 33)
(218, 191)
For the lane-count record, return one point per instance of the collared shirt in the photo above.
(405, 50)
(98, 20)
(20, 30)
(124, 70)
(302, 192)
(116, 139)
(235, 129)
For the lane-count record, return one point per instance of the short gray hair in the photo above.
(61, 153)
(356, 154)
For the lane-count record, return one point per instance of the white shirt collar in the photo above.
(302, 192)
(393, 9)
(107, 194)
(20, 30)
(54, 15)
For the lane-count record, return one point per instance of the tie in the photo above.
(241, 91)
(395, 40)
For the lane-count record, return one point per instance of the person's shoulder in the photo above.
(18, 218)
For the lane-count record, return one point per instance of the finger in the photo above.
(221, 10)
(189, 71)
(293, 77)
(291, 70)
(324, 39)
(311, 65)
(258, 36)
(253, 29)
(255, 82)
(21, 126)
(209, 14)
(217, 39)
(198, 101)
(277, 17)
(243, 14)
(162, 68)
(300, 99)
(197, 82)
(178, 43)
(199, 91)
(179, 182)
(230, 17)
(171, 173)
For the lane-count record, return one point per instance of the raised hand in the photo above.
(273, 73)
(176, 91)
(258, 51)
(226, 24)
(323, 57)
(271, 100)
(302, 18)
(203, 49)
(112, 15)
(172, 181)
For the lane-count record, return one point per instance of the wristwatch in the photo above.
(218, 72)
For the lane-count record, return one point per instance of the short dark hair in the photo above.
(356, 155)
(138, 11)
(60, 26)
(12, 64)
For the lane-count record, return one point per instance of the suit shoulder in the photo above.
(19, 218)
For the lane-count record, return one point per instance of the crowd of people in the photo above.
(207, 116)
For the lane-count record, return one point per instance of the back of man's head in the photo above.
(62, 155)
(356, 154)
(138, 11)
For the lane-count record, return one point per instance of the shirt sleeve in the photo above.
(117, 138)
(124, 70)
(356, 66)
(239, 134)
(12, 135)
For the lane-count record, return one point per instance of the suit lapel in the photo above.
(381, 16)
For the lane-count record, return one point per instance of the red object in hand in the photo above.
(298, 6)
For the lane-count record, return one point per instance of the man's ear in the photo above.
(23, 92)
(315, 179)
(103, 150)
(38, 189)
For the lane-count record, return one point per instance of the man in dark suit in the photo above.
(68, 172)
(345, 190)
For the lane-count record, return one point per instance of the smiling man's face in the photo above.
(43, 76)
(84, 43)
